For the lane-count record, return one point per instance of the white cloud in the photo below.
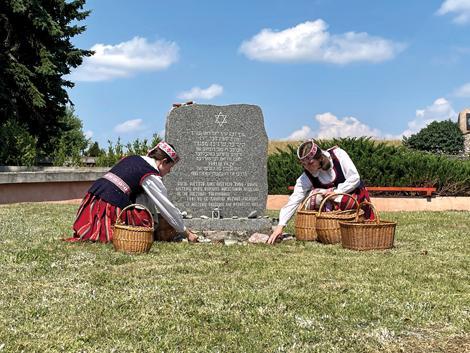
(459, 8)
(88, 134)
(440, 110)
(126, 59)
(304, 133)
(311, 42)
(330, 127)
(463, 91)
(129, 126)
(194, 93)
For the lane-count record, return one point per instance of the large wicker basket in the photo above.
(328, 229)
(132, 239)
(368, 235)
(306, 222)
(164, 231)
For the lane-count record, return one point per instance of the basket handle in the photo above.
(367, 203)
(118, 220)
(304, 203)
(336, 194)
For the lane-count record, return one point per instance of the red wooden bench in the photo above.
(426, 190)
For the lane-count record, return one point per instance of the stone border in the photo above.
(18, 175)
(392, 204)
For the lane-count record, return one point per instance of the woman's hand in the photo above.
(275, 234)
(329, 192)
(192, 237)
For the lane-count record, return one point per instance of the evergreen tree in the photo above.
(35, 53)
(94, 150)
(441, 137)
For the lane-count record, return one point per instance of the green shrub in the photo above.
(283, 170)
(116, 152)
(94, 150)
(380, 164)
(18, 145)
(440, 137)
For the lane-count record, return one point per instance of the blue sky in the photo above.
(319, 68)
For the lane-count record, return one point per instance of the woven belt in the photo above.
(121, 184)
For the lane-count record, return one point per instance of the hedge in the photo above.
(380, 164)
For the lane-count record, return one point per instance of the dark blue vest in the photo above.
(132, 170)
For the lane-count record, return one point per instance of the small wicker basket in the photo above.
(306, 222)
(132, 239)
(164, 231)
(368, 235)
(328, 229)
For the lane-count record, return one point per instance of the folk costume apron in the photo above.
(108, 196)
(360, 193)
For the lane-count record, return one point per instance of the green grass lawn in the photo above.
(292, 297)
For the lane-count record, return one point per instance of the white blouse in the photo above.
(156, 199)
(303, 184)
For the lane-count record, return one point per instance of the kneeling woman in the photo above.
(325, 172)
(120, 187)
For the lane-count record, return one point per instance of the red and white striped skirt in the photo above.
(347, 203)
(96, 217)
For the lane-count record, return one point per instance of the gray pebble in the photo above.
(229, 242)
(253, 214)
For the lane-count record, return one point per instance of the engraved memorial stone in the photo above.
(464, 121)
(223, 164)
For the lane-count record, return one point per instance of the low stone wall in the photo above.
(34, 184)
(40, 184)
(391, 204)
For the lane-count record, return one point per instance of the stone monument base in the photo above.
(466, 143)
(240, 226)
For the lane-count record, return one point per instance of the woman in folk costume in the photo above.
(120, 187)
(325, 172)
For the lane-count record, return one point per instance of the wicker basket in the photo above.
(368, 235)
(132, 239)
(306, 222)
(328, 229)
(164, 231)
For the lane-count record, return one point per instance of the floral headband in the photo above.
(165, 147)
(311, 154)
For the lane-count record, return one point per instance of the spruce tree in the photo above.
(35, 53)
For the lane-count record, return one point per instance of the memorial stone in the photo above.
(223, 166)
(464, 125)
(464, 121)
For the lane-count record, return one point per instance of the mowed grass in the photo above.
(292, 297)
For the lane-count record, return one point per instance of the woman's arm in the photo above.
(302, 186)
(350, 172)
(156, 191)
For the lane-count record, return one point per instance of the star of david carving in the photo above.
(220, 119)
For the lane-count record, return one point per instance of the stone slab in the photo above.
(464, 121)
(245, 225)
(18, 175)
(223, 163)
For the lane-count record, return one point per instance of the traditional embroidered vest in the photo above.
(338, 172)
(123, 182)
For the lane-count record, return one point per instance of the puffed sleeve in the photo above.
(350, 173)
(302, 186)
(156, 191)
